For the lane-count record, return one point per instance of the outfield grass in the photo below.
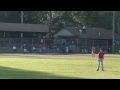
(74, 66)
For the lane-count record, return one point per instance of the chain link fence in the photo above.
(53, 45)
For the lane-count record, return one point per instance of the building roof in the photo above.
(91, 33)
(18, 27)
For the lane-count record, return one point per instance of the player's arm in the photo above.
(98, 56)
(103, 55)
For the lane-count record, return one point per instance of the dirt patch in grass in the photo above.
(68, 56)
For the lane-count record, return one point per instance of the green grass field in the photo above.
(74, 66)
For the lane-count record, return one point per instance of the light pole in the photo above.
(21, 17)
(113, 27)
(50, 17)
(118, 25)
(21, 23)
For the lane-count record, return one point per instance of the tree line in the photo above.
(60, 19)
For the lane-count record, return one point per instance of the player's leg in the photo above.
(98, 64)
(94, 54)
(102, 64)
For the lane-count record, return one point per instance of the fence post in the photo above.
(21, 45)
(93, 42)
(86, 45)
(77, 46)
(9, 44)
(32, 42)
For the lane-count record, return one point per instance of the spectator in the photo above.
(40, 46)
(93, 51)
(33, 49)
(24, 49)
(67, 49)
(109, 50)
(14, 48)
(119, 50)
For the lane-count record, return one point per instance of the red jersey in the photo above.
(93, 49)
(101, 55)
(40, 46)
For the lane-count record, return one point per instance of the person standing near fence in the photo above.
(93, 51)
(67, 49)
(40, 47)
(100, 59)
(33, 49)
(24, 48)
(14, 48)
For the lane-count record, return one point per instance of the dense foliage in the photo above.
(59, 19)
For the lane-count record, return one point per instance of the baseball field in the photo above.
(58, 66)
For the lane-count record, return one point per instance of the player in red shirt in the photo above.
(93, 51)
(100, 59)
(40, 46)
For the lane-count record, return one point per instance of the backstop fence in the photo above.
(53, 45)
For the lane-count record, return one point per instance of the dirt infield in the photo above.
(48, 55)
(54, 55)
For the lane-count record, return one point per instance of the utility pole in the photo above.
(118, 25)
(21, 22)
(50, 17)
(21, 17)
(113, 25)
